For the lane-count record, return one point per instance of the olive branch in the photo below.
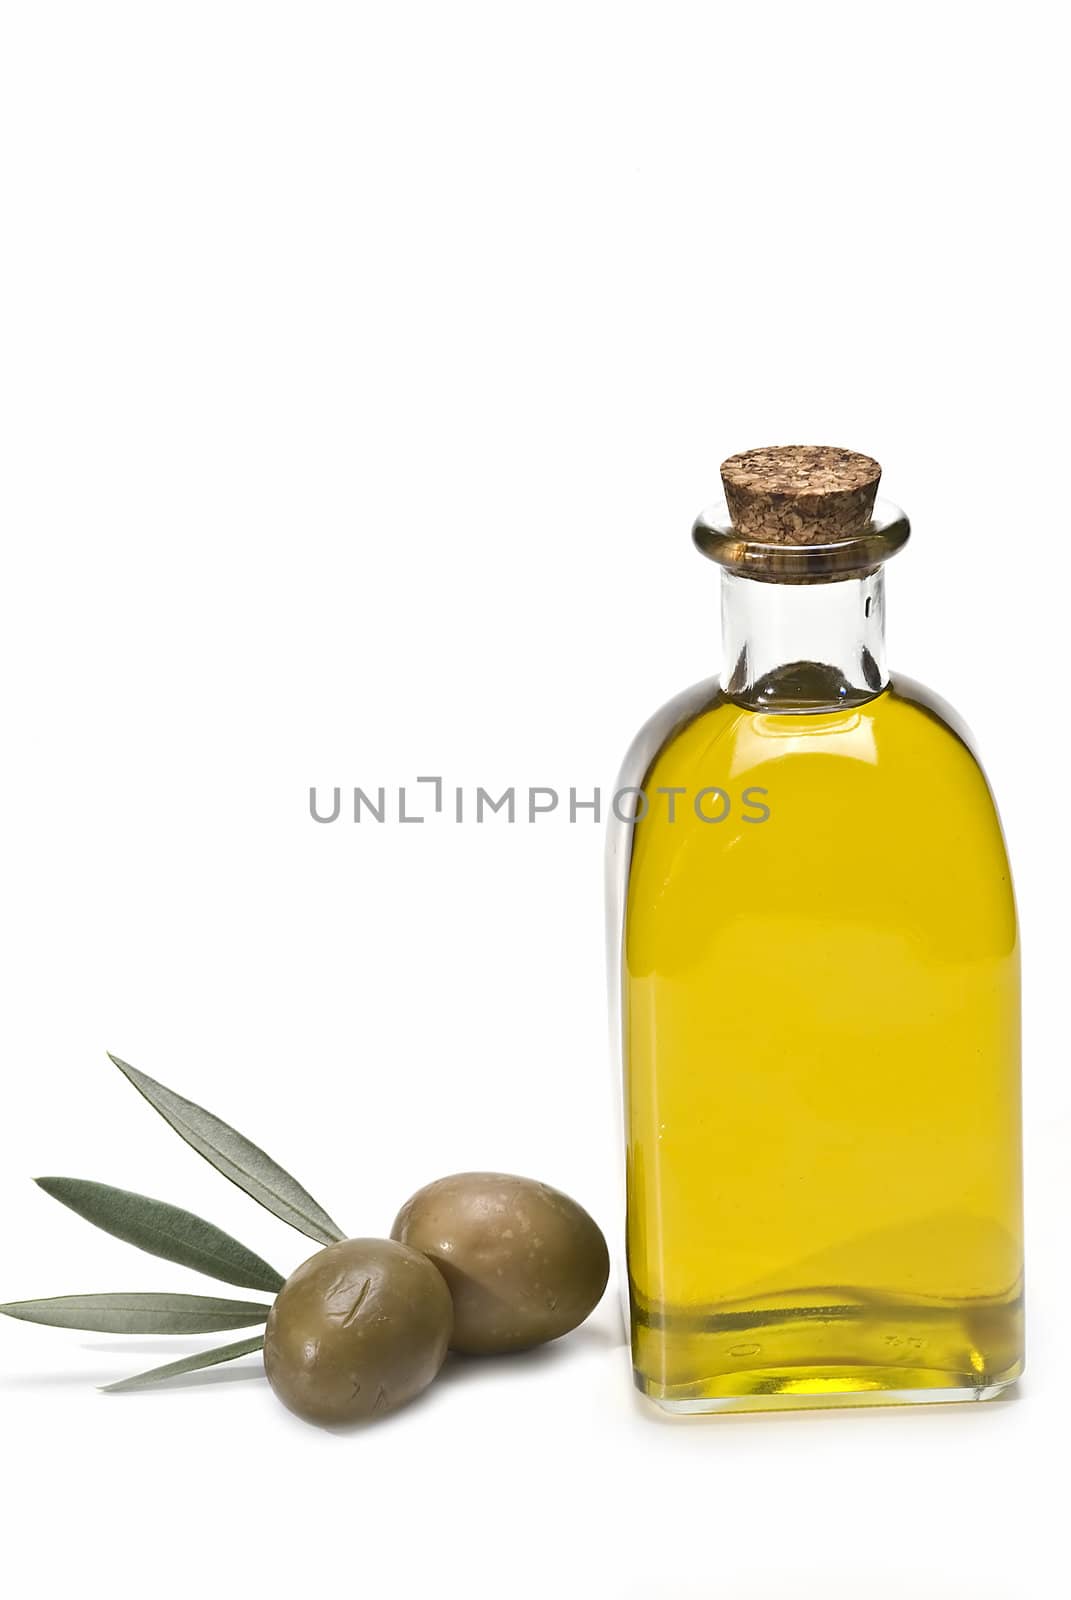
(177, 1235)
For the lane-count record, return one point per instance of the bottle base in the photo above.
(823, 1389)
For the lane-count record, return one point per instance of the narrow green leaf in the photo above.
(175, 1369)
(164, 1230)
(139, 1313)
(239, 1160)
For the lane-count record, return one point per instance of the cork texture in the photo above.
(799, 494)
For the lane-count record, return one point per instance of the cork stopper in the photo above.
(800, 494)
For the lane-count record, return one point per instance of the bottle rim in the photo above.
(715, 537)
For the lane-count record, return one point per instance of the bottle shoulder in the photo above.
(664, 726)
(907, 739)
(703, 713)
(917, 697)
(777, 803)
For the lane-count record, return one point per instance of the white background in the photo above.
(363, 368)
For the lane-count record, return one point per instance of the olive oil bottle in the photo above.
(816, 948)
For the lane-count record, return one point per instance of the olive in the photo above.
(357, 1330)
(524, 1262)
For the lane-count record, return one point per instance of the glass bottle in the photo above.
(816, 953)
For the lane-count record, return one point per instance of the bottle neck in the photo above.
(803, 646)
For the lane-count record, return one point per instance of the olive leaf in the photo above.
(239, 1160)
(164, 1230)
(138, 1313)
(175, 1369)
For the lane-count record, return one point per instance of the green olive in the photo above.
(357, 1330)
(524, 1262)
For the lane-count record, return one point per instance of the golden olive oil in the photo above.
(820, 1029)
